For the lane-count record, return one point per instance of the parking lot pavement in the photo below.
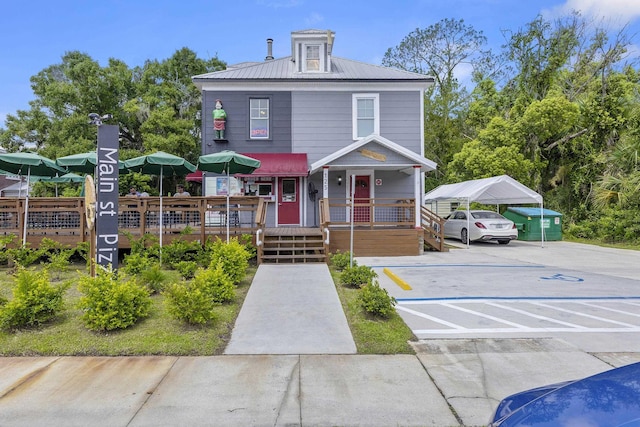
(563, 290)
(492, 320)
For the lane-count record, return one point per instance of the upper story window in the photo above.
(259, 118)
(311, 50)
(313, 58)
(366, 115)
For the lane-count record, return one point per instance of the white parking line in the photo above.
(486, 316)
(536, 316)
(447, 312)
(577, 313)
(599, 307)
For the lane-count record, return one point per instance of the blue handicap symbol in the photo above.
(563, 278)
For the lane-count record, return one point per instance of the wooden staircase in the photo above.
(292, 245)
(433, 230)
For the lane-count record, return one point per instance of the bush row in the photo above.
(117, 300)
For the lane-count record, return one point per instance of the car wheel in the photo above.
(464, 236)
(504, 242)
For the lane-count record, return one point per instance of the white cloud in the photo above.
(617, 13)
(314, 19)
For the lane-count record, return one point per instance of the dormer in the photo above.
(311, 50)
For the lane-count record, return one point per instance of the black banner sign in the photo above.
(107, 197)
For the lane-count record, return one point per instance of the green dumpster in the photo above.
(528, 221)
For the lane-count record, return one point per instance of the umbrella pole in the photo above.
(161, 215)
(228, 191)
(26, 210)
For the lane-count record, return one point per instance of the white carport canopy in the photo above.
(498, 190)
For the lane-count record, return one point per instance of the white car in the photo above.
(482, 226)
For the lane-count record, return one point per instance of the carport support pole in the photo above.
(468, 222)
(541, 225)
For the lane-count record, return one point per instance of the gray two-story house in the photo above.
(318, 124)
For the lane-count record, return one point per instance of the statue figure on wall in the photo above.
(219, 120)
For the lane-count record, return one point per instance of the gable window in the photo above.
(366, 115)
(259, 118)
(313, 58)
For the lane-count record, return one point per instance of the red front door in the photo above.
(288, 201)
(362, 196)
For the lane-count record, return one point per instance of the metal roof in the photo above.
(284, 69)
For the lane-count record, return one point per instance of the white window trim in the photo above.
(321, 53)
(268, 119)
(376, 113)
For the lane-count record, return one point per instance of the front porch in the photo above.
(381, 227)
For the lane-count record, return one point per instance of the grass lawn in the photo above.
(159, 334)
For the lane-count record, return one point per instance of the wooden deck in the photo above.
(384, 227)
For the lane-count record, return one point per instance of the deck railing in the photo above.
(63, 219)
(370, 212)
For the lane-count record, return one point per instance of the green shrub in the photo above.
(187, 269)
(189, 302)
(24, 256)
(233, 256)
(376, 301)
(153, 277)
(341, 260)
(144, 244)
(357, 276)
(136, 262)
(56, 255)
(217, 283)
(180, 250)
(5, 241)
(35, 301)
(109, 302)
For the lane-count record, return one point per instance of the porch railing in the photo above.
(62, 218)
(370, 212)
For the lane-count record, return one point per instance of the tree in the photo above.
(444, 51)
(154, 105)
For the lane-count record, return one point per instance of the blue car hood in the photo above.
(611, 398)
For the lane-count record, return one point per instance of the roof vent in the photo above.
(269, 50)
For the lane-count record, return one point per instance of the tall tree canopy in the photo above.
(445, 50)
(156, 106)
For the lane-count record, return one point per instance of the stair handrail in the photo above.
(261, 219)
(325, 220)
(258, 233)
(433, 226)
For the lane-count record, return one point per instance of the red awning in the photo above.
(280, 164)
(194, 177)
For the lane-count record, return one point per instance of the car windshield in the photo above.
(486, 215)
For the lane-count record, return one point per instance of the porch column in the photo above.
(417, 190)
(325, 182)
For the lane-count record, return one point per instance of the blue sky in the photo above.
(35, 34)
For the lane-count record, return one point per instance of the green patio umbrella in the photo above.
(62, 179)
(228, 162)
(31, 164)
(82, 162)
(161, 164)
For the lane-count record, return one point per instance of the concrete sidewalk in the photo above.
(291, 309)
